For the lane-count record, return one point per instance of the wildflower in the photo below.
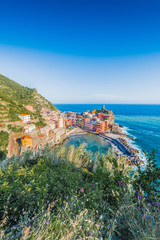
(150, 203)
(96, 211)
(82, 189)
(119, 182)
(47, 201)
(138, 191)
(123, 184)
(89, 189)
(139, 197)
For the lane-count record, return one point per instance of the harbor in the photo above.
(118, 145)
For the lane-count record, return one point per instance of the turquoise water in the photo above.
(140, 121)
(92, 143)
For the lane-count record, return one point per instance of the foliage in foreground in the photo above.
(4, 139)
(63, 194)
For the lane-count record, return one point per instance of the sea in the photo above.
(139, 121)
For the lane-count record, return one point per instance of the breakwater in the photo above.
(123, 146)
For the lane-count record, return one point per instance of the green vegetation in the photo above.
(103, 111)
(16, 96)
(70, 127)
(63, 193)
(14, 110)
(14, 129)
(40, 123)
(4, 139)
(3, 155)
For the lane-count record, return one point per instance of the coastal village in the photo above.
(57, 126)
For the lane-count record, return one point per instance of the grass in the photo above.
(63, 194)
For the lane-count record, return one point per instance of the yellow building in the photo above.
(26, 141)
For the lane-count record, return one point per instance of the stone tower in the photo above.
(103, 107)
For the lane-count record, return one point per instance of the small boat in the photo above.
(89, 134)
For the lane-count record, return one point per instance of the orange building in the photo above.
(99, 115)
(68, 122)
(106, 125)
(86, 120)
(100, 127)
(26, 141)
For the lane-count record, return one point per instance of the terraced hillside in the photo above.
(14, 97)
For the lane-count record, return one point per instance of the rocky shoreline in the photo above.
(118, 142)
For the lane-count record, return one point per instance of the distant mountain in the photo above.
(14, 97)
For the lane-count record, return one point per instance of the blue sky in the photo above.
(83, 51)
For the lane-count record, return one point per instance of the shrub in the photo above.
(62, 194)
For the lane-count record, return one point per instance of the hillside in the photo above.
(14, 97)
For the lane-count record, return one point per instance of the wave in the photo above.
(132, 143)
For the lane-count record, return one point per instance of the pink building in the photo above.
(74, 121)
(89, 126)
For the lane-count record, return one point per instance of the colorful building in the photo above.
(99, 115)
(106, 125)
(29, 128)
(60, 123)
(58, 134)
(25, 117)
(26, 141)
(74, 121)
(89, 126)
(99, 127)
(45, 130)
